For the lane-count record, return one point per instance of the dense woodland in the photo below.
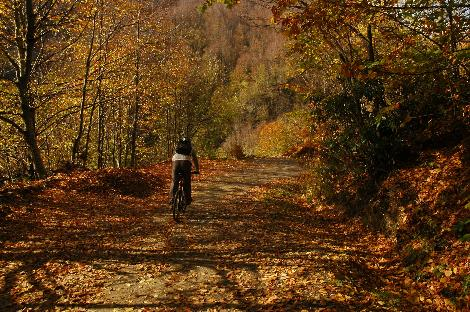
(96, 84)
(359, 87)
(100, 84)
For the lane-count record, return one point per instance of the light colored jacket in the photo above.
(192, 157)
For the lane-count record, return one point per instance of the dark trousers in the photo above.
(183, 167)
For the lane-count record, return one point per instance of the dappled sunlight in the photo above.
(248, 242)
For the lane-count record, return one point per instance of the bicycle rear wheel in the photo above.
(182, 203)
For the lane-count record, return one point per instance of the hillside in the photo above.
(425, 206)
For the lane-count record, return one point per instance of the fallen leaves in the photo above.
(264, 248)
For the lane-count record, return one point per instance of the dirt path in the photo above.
(237, 250)
(246, 243)
(210, 260)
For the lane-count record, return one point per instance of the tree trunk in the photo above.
(168, 133)
(31, 139)
(100, 96)
(101, 131)
(90, 124)
(26, 46)
(135, 117)
(77, 141)
(450, 16)
(370, 44)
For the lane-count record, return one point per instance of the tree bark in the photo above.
(135, 117)
(101, 131)
(370, 44)
(450, 15)
(103, 43)
(30, 137)
(77, 141)
(90, 124)
(26, 44)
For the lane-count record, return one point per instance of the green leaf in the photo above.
(465, 238)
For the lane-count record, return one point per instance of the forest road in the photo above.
(245, 244)
(231, 251)
(250, 241)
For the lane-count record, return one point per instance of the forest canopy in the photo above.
(95, 84)
(100, 84)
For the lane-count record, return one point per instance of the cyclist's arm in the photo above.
(195, 160)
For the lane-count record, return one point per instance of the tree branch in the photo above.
(10, 59)
(416, 7)
(11, 122)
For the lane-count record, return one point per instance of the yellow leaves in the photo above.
(389, 109)
(341, 297)
(467, 206)
(278, 137)
(408, 281)
(271, 299)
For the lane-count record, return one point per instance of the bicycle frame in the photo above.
(179, 198)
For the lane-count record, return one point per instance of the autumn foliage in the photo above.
(372, 97)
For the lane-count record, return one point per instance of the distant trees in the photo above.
(97, 84)
(253, 54)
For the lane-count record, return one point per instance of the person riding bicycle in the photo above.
(182, 160)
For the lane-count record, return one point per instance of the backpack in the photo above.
(184, 148)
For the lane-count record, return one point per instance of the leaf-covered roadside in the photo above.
(426, 208)
(375, 270)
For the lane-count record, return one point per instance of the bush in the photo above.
(355, 148)
(285, 135)
(373, 126)
(232, 148)
(236, 151)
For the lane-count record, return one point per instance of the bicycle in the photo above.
(179, 198)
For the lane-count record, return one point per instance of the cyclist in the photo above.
(182, 160)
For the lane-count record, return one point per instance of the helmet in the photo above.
(185, 140)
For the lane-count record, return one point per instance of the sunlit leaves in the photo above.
(208, 3)
(284, 135)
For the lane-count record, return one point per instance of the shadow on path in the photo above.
(233, 251)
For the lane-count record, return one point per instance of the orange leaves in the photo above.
(358, 71)
(138, 183)
(262, 249)
(437, 261)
